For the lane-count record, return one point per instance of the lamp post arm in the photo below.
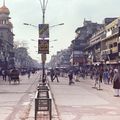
(30, 25)
(37, 26)
(56, 25)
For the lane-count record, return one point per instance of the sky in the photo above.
(70, 12)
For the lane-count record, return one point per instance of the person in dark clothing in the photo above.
(111, 75)
(116, 82)
(29, 74)
(52, 74)
(56, 75)
(70, 75)
(4, 74)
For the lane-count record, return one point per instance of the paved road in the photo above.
(76, 102)
(81, 102)
(15, 100)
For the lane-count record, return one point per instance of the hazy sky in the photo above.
(69, 12)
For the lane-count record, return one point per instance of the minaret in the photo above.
(4, 17)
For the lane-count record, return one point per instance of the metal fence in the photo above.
(43, 101)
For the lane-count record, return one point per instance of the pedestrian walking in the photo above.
(116, 82)
(4, 74)
(29, 74)
(106, 76)
(91, 74)
(70, 75)
(56, 72)
(76, 75)
(111, 75)
(8, 73)
(96, 78)
(100, 78)
(51, 74)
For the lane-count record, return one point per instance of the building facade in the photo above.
(104, 45)
(62, 59)
(80, 42)
(6, 39)
(111, 43)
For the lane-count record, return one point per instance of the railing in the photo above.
(43, 102)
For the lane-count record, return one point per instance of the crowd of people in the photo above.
(14, 73)
(106, 75)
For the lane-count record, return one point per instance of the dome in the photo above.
(4, 10)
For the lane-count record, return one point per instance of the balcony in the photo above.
(103, 36)
(115, 30)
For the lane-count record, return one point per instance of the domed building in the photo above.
(4, 10)
(6, 39)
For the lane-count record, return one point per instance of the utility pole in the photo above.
(43, 55)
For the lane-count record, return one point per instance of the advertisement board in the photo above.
(43, 30)
(43, 46)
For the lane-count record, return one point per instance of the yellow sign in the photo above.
(114, 49)
(43, 46)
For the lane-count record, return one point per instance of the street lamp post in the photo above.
(43, 56)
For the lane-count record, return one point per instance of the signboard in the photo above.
(43, 46)
(43, 30)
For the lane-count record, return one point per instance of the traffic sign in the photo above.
(43, 30)
(43, 46)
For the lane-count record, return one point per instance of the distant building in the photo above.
(81, 40)
(107, 21)
(62, 59)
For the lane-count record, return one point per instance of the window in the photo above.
(110, 45)
(115, 44)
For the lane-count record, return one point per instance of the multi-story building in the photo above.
(104, 45)
(6, 39)
(94, 47)
(83, 34)
(110, 45)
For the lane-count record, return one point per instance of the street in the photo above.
(78, 101)
(15, 100)
(81, 102)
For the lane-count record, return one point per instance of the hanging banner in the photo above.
(43, 46)
(43, 30)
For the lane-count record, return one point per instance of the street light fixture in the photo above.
(27, 24)
(49, 41)
(53, 40)
(43, 56)
(57, 25)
